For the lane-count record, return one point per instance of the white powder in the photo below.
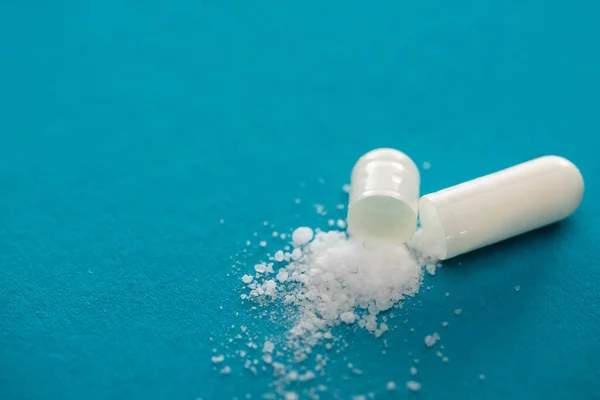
(217, 359)
(302, 236)
(282, 276)
(291, 396)
(226, 370)
(348, 317)
(391, 385)
(413, 386)
(431, 340)
(260, 268)
(413, 370)
(330, 279)
(458, 311)
(517, 288)
(278, 256)
(326, 281)
(296, 254)
(268, 347)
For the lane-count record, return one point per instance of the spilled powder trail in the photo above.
(328, 279)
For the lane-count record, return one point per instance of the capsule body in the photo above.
(501, 205)
(384, 197)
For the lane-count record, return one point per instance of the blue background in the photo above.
(128, 129)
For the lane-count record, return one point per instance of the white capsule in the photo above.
(501, 205)
(384, 195)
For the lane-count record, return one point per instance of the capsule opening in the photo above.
(381, 219)
(433, 233)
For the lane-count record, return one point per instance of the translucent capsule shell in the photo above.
(384, 197)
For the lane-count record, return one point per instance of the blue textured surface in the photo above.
(129, 128)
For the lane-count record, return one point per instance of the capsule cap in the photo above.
(384, 197)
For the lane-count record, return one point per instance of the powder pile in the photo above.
(332, 279)
(329, 279)
(315, 286)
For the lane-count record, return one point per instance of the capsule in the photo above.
(384, 197)
(501, 205)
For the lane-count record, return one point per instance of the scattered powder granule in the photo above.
(327, 280)
(275, 233)
(348, 317)
(430, 270)
(391, 385)
(445, 359)
(431, 340)
(278, 256)
(413, 386)
(426, 165)
(267, 358)
(296, 254)
(331, 222)
(341, 224)
(444, 324)
(222, 221)
(320, 209)
(217, 359)
(413, 370)
(340, 206)
(268, 347)
(302, 236)
(517, 288)
(447, 294)
(282, 275)
(297, 201)
(263, 243)
(346, 188)
(226, 370)
(291, 396)
(481, 377)
(458, 311)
